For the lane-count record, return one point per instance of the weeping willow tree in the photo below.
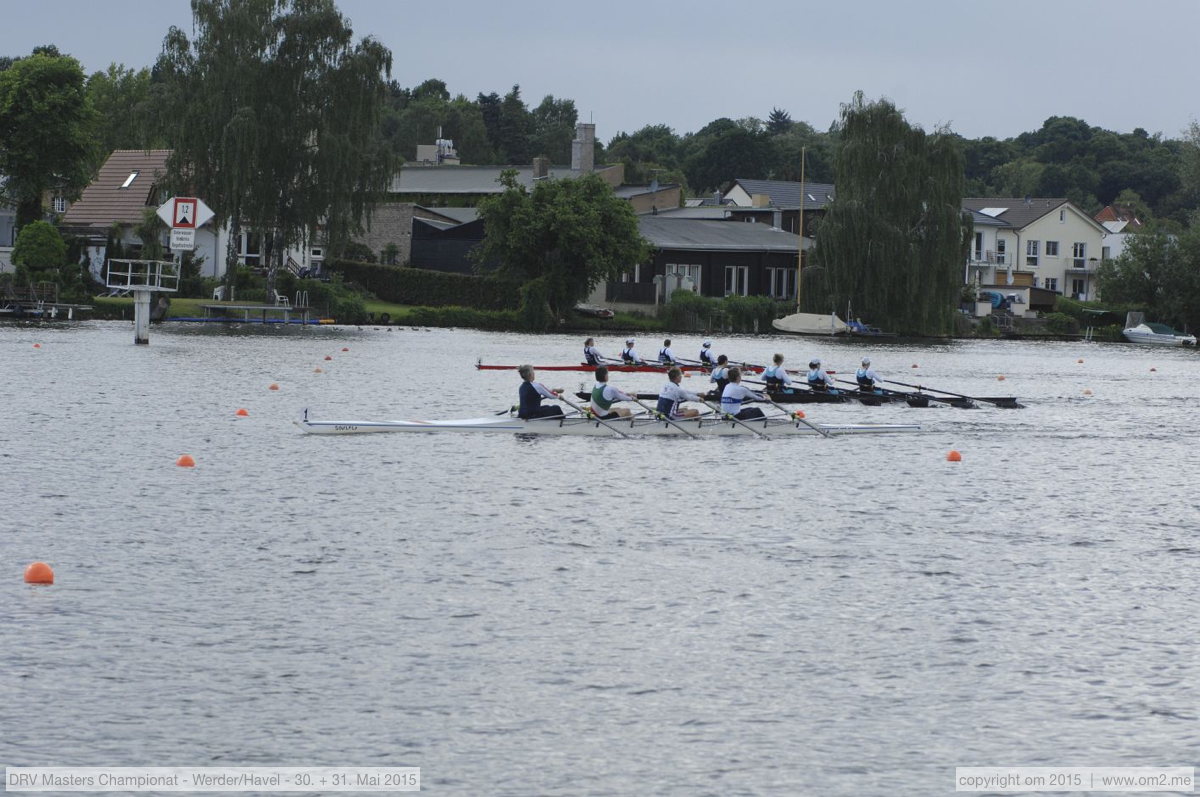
(894, 239)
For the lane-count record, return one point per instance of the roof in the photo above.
(982, 219)
(113, 196)
(664, 232)
(785, 194)
(459, 215)
(1013, 211)
(1120, 214)
(696, 212)
(468, 179)
(630, 191)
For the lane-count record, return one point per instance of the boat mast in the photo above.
(800, 245)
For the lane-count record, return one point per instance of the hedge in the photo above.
(414, 286)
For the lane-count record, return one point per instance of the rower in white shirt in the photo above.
(665, 355)
(629, 354)
(672, 395)
(867, 379)
(776, 377)
(734, 394)
(591, 354)
(604, 396)
(706, 356)
(818, 380)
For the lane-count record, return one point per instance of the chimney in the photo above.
(583, 148)
(541, 167)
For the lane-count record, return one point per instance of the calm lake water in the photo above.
(583, 615)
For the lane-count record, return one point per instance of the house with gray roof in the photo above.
(785, 198)
(1040, 242)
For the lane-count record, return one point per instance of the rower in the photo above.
(629, 354)
(818, 380)
(720, 374)
(735, 393)
(591, 354)
(531, 394)
(776, 377)
(866, 378)
(605, 395)
(706, 355)
(672, 395)
(665, 355)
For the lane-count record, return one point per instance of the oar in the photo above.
(592, 415)
(1009, 403)
(722, 414)
(790, 414)
(925, 396)
(661, 416)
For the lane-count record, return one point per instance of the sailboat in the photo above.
(799, 323)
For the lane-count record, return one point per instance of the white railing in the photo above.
(145, 275)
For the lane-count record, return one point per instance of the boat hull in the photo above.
(648, 369)
(588, 427)
(811, 324)
(1146, 337)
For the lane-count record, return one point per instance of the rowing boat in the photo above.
(650, 368)
(704, 426)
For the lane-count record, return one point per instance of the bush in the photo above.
(498, 320)
(690, 311)
(1061, 323)
(414, 286)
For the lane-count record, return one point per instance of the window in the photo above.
(317, 254)
(1051, 248)
(1077, 288)
(1062, 217)
(781, 282)
(1031, 253)
(60, 204)
(1001, 245)
(129, 180)
(1105, 252)
(1079, 254)
(251, 249)
(1051, 283)
(978, 246)
(682, 271)
(737, 280)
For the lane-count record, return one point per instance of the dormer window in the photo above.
(129, 180)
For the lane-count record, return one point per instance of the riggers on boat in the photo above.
(704, 426)
(648, 368)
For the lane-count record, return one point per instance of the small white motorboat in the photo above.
(1157, 335)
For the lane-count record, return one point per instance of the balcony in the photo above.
(1080, 266)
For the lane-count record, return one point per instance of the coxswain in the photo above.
(665, 355)
(720, 374)
(706, 355)
(591, 354)
(629, 354)
(818, 380)
(605, 395)
(776, 377)
(867, 379)
(734, 394)
(672, 394)
(531, 394)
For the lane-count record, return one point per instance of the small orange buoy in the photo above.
(954, 456)
(328, 357)
(272, 386)
(186, 461)
(1079, 360)
(37, 346)
(242, 413)
(1000, 378)
(39, 573)
(318, 370)
(345, 349)
(1087, 391)
(798, 414)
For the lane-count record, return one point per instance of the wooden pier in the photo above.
(264, 313)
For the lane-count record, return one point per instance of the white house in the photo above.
(1039, 242)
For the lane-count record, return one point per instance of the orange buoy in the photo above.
(328, 357)
(318, 370)
(186, 461)
(242, 413)
(798, 414)
(1079, 360)
(39, 573)
(1087, 391)
(954, 456)
(1000, 378)
(345, 349)
(272, 386)
(37, 345)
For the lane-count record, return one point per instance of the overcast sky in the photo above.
(984, 69)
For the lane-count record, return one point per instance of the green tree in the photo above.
(275, 119)
(1159, 273)
(778, 122)
(553, 124)
(729, 154)
(893, 241)
(125, 118)
(40, 255)
(46, 128)
(560, 240)
(514, 127)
